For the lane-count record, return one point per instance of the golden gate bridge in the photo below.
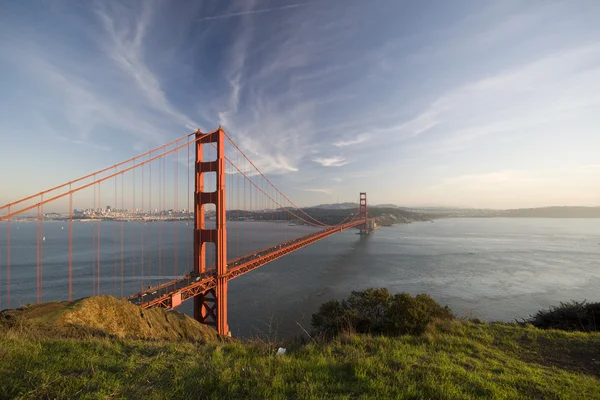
(218, 183)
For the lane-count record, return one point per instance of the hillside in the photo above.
(103, 316)
(332, 216)
(392, 216)
(555, 212)
(451, 360)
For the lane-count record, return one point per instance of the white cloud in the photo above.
(82, 105)
(249, 12)
(272, 103)
(361, 138)
(317, 190)
(510, 101)
(99, 91)
(125, 47)
(335, 161)
(416, 126)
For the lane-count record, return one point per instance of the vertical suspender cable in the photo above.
(122, 232)
(176, 213)
(39, 254)
(8, 262)
(94, 211)
(238, 204)
(99, 221)
(1, 275)
(143, 231)
(161, 208)
(152, 217)
(70, 245)
(164, 207)
(134, 252)
(114, 222)
(189, 232)
(151, 212)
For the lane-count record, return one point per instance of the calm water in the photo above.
(494, 269)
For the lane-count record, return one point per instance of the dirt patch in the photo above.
(570, 355)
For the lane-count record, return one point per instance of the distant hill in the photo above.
(348, 205)
(553, 212)
(337, 206)
(386, 206)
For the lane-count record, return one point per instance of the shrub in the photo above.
(331, 319)
(572, 316)
(368, 310)
(409, 314)
(377, 311)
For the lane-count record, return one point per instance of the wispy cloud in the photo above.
(522, 188)
(304, 88)
(336, 161)
(125, 45)
(509, 101)
(324, 191)
(81, 104)
(360, 138)
(250, 12)
(85, 143)
(109, 88)
(266, 109)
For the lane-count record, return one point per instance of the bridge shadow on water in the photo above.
(293, 288)
(343, 268)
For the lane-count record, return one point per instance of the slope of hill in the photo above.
(554, 212)
(337, 206)
(454, 360)
(104, 316)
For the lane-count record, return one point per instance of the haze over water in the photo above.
(494, 269)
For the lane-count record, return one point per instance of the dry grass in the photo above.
(104, 316)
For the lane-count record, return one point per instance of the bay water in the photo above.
(489, 268)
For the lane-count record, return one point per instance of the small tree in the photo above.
(409, 314)
(368, 310)
(331, 319)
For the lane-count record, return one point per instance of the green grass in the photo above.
(451, 360)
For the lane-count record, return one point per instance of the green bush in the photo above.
(368, 310)
(409, 314)
(331, 318)
(377, 311)
(572, 316)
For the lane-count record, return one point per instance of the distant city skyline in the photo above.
(457, 104)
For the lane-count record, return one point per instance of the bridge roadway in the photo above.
(173, 293)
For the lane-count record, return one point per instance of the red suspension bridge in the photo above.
(136, 247)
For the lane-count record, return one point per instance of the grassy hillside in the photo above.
(103, 316)
(450, 360)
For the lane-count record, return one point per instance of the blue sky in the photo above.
(463, 103)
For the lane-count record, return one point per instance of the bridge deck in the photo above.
(173, 293)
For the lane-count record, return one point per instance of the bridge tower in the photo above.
(362, 214)
(211, 307)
